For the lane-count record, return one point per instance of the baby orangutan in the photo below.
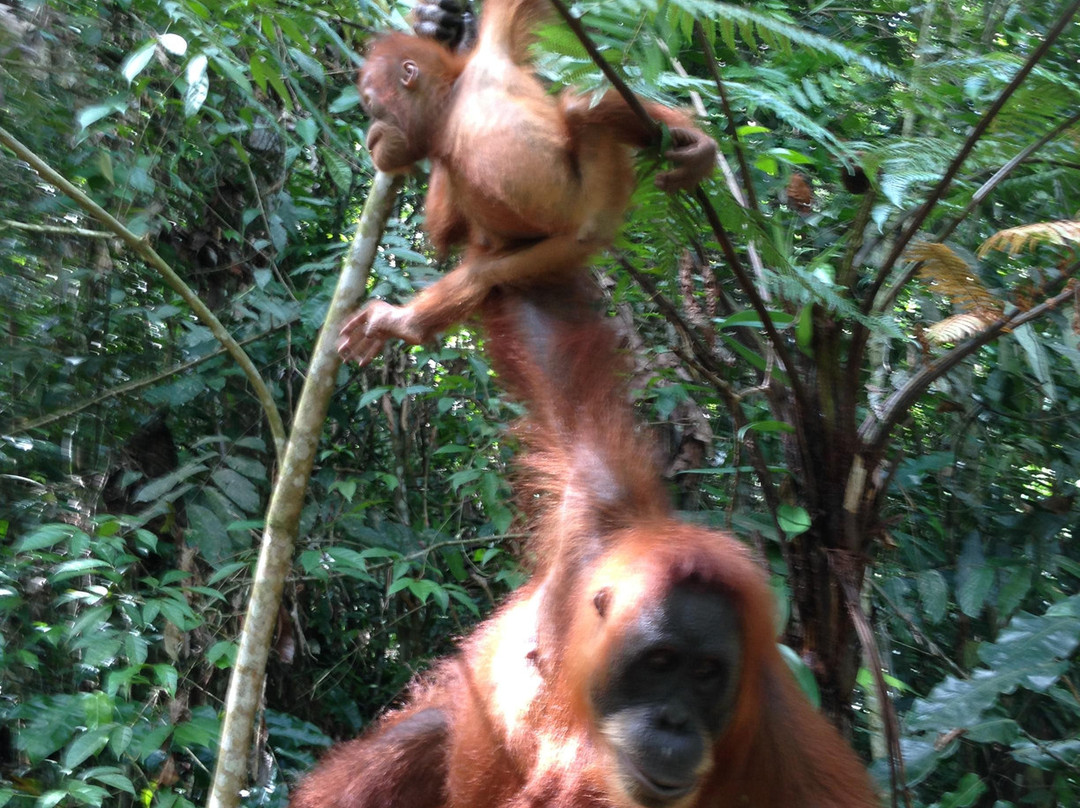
(531, 183)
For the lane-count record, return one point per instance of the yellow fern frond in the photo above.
(1014, 239)
(950, 276)
(960, 326)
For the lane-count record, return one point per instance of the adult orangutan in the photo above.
(638, 668)
(531, 183)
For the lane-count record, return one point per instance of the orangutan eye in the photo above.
(660, 660)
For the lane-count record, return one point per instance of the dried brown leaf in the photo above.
(1015, 239)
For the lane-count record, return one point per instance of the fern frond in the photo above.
(972, 71)
(730, 21)
(950, 277)
(754, 97)
(1037, 105)
(907, 163)
(797, 286)
(960, 326)
(1015, 239)
(780, 34)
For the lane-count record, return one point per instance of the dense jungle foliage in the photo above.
(867, 367)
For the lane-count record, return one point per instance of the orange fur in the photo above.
(520, 723)
(530, 183)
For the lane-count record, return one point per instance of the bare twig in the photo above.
(609, 72)
(142, 248)
(846, 569)
(725, 105)
(130, 387)
(55, 229)
(862, 333)
(874, 431)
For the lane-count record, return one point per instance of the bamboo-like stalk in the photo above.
(286, 502)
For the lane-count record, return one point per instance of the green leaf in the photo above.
(973, 590)
(337, 168)
(309, 65)
(173, 43)
(167, 677)
(85, 793)
(804, 331)
(793, 519)
(261, 70)
(1037, 359)
(971, 787)
(92, 621)
(933, 594)
(791, 156)
(423, 588)
(120, 740)
(765, 426)
(973, 577)
(1016, 585)
(110, 776)
(90, 115)
(98, 708)
(47, 536)
(50, 798)
(803, 675)
(232, 72)
(80, 566)
(84, 746)
(222, 654)
(1030, 652)
(167, 485)
(239, 489)
(307, 129)
(198, 85)
(137, 60)
(374, 394)
(1046, 755)
(224, 572)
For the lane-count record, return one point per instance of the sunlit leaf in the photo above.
(137, 60)
(198, 85)
(173, 43)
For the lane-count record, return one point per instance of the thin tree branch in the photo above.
(758, 304)
(875, 431)
(701, 359)
(976, 198)
(142, 248)
(745, 195)
(132, 386)
(609, 72)
(846, 569)
(56, 229)
(729, 115)
(917, 632)
(858, 343)
(1001, 174)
